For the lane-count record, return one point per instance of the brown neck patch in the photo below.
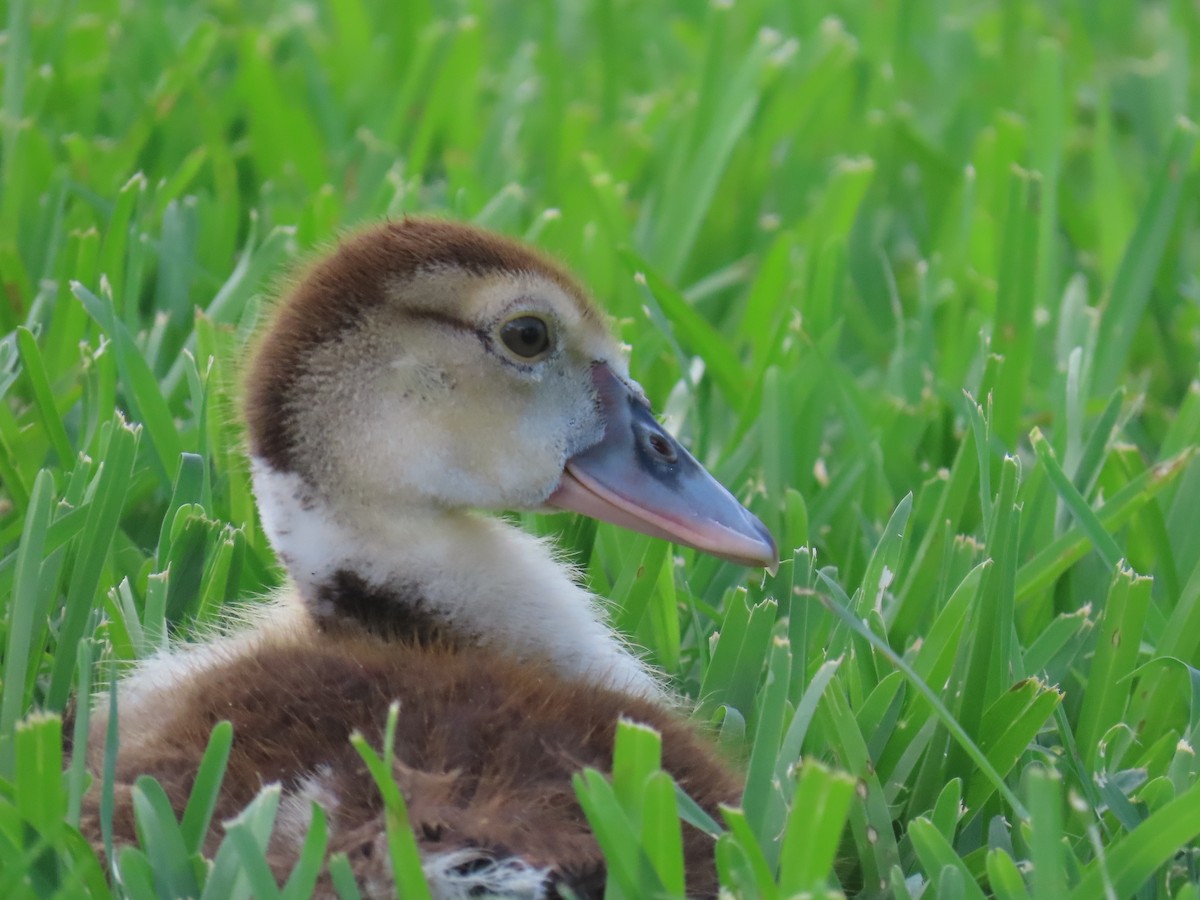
(348, 602)
(333, 295)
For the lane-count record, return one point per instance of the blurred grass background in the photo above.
(918, 280)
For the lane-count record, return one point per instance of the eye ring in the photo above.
(526, 336)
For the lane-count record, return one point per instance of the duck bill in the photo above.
(639, 477)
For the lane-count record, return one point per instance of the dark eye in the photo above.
(662, 448)
(526, 336)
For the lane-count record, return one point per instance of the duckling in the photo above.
(421, 373)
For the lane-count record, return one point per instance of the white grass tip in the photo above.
(821, 472)
(770, 37)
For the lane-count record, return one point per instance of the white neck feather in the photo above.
(486, 579)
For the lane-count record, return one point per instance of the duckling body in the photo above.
(485, 746)
(422, 372)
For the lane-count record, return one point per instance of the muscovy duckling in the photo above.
(423, 371)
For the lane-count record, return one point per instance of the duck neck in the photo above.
(430, 574)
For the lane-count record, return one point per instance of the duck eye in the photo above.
(526, 336)
(662, 448)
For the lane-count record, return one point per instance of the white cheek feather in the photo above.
(492, 581)
(424, 433)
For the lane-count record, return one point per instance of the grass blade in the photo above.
(26, 593)
(1142, 257)
(406, 858)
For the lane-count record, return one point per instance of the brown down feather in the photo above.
(485, 750)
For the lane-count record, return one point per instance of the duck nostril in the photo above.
(662, 447)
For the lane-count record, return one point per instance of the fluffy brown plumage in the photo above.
(485, 749)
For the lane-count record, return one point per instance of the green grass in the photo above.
(918, 279)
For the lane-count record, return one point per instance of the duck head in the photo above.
(431, 365)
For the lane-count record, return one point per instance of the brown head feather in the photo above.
(334, 293)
